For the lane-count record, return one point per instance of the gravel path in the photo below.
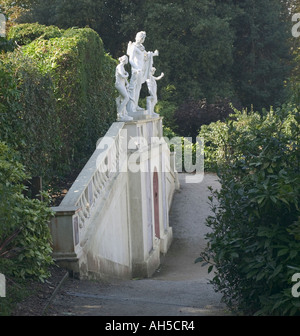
(178, 288)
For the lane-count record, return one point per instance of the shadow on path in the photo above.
(178, 288)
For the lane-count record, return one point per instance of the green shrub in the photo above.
(30, 123)
(25, 241)
(166, 110)
(215, 136)
(27, 32)
(254, 243)
(9, 106)
(6, 45)
(64, 101)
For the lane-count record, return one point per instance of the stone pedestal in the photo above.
(143, 115)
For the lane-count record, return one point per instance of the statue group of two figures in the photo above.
(142, 71)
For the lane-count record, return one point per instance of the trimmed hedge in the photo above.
(63, 97)
(27, 32)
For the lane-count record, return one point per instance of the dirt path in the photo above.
(178, 288)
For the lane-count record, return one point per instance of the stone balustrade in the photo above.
(113, 222)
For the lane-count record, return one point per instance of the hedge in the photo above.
(62, 97)
(26, 33)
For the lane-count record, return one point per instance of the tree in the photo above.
(13, 9)
(102, 16)
(208, 49)
(193, 37)
(212, 49)
(292, 7)
(261, 53)
(195, 44)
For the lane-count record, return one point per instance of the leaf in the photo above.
(200, 259)
(251, 274)
(282, 252)
(277, 304)
(234, 255)
(293, 254)
(260, 275)
(276, 272)
(296, 304)
(261, 199)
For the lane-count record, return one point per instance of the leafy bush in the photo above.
(9, 96)
(215, 136)
(166, 110)
(63, 97)
(27, 32)
(25, 241)
(30, 123)
(254, 244)
(6, 45)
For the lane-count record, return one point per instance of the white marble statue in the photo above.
(122, 86)
(141, 63)
(152, 87)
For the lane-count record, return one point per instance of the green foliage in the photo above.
(293, 83)
(193, 50)
(208, 49)
(30, 124)
(56, 99)
(102, 16)
(254, 243)
(9, 106)
(16, 291)
(13, 9)
(63, 98)
(215, 137)
(6, 45)
(169, 133)
(261, 53)
(25, 240)
(166, 109)
(25, 33)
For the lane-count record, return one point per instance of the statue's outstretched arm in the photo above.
(159, 77)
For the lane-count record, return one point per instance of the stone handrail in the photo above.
(91, 183)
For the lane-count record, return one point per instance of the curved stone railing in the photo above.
(95, 177)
